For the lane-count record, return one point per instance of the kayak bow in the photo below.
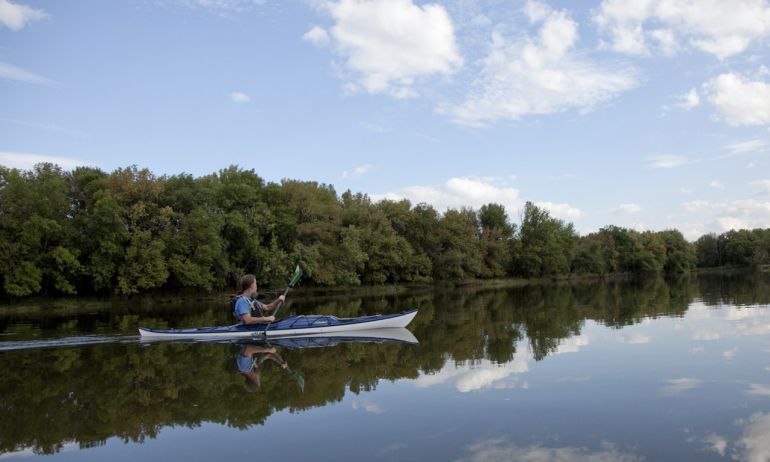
(291, 326)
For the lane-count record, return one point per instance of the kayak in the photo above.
(291, 326)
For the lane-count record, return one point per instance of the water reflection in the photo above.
(591, 367)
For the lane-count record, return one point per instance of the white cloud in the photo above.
(15, 16)
(716, 443)
(676, 386)
(563, 211)
(667, 161)
(317, 36)
(539, 74)
(739, 100)
(571, 344)
(716, 184)
(238, 97)
(482, 374)
(755, 440)
(626, 209)
(500, 450)
(25, 161)
(456, 193)
(737, 214)
(689, 100)
(358, 172)
(745, 147)
(758, 390)
(687, 191)
(368, 407)
(11, 72)
(388, 44)
(717, 27)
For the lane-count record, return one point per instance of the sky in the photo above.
(652, 114)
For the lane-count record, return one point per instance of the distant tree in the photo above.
(547, 245)
(496, 232)
(709, 250)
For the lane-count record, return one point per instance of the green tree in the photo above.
(547, 245)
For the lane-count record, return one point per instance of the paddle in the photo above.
(292, 282)
(294, 374)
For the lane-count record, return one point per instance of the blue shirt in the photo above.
(243, 306)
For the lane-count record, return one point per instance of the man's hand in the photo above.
(270, 318)
(282, 298)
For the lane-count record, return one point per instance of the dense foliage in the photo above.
(129, 231)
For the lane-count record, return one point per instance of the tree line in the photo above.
(86, 231)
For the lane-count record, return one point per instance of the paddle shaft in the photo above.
(280, 304)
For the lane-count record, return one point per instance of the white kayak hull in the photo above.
(293, 326)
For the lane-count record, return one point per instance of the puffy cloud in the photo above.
(317, 36)
(26, 161)
(714, 26)
(563, 211)
(754, 443)
(737, 214)
(238, 97)
(627, 209)
(690, 100)
(358, 172)
(739, 100)
(388, 44)
(716, 443)
(538, 74)
(11, 72)
(458, 192)
(571, 344)
(479, 375)
(15, 16)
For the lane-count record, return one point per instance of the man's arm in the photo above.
(249, 319)
(275, 303)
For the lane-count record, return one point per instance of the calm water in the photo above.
(650, 370)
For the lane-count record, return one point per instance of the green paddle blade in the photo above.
(295, 277)
(299, 379)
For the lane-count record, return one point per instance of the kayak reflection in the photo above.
(254, 353)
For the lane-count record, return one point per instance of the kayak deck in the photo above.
(293, 325)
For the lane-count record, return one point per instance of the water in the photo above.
(646, 370)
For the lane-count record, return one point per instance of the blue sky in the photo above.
(650, 114)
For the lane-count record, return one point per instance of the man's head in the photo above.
(248, 285)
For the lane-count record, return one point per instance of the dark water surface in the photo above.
(649, 370)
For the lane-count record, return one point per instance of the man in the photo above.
(243, 303)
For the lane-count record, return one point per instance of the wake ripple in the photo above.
(66, 341)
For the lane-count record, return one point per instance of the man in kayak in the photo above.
(244, 303)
